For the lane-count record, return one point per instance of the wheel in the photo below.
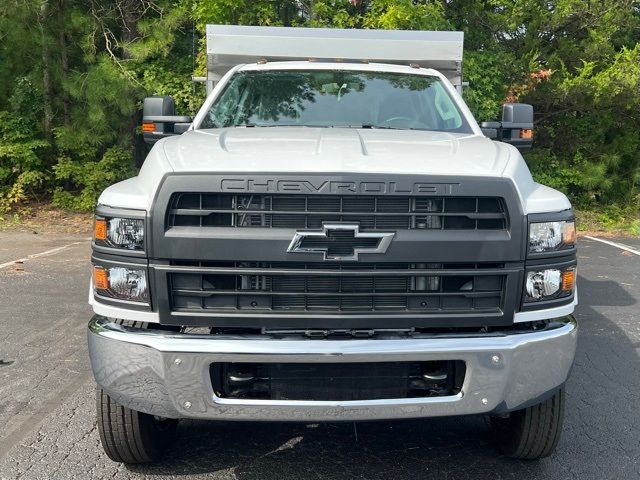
(129, 436)
(534, 432)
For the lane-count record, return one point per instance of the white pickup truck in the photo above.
(332, 238)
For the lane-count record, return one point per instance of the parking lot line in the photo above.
(614, 244)
(41, 254)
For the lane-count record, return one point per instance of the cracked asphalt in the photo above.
(47, 419)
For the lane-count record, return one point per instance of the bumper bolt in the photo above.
(495, 359)
(177, 361)
(187, 405)
(484, 401)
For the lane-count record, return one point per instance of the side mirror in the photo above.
(515, 128)
(159, 119)
(490, 129)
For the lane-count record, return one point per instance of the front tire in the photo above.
(129, 436)
(532, 433)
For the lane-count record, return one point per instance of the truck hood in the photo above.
(335, 150)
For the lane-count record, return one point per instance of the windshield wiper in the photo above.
(258, 125)
(371, 126)
(384, 127)
(366, 126)
(376, 127)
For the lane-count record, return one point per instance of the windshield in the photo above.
(332, 98)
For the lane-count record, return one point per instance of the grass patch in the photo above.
(45, 218)
(610, 220)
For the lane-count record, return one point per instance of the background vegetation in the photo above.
(73, 74)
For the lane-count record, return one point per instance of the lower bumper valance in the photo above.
(169, 374)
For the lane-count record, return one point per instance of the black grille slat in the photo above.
(311, 211)
(323, 204)
(332, 288)
(327, 290)
(289, 302)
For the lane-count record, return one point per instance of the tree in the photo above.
(74, 72)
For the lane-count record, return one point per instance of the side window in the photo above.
(446, 109)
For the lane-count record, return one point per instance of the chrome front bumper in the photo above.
(168, 374)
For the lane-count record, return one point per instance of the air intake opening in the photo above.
(337, 381)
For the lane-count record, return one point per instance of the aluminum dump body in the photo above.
(231, 45)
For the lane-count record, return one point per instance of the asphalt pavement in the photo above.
(47, 412)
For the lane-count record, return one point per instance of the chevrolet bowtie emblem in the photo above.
(340, 241)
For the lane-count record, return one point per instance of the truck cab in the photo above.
(333, 237)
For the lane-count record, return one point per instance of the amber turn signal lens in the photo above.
(100, 230)
(100, 278)
(568, 280)
(526, 133)
(148, 127)
(569, 233)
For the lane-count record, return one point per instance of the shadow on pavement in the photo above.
(599, 438)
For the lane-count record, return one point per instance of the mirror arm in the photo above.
(490, 132)
(167, 118)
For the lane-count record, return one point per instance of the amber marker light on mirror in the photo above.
(100, 278)
(526, 133)
(148, 127)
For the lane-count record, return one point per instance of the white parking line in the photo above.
(41, 254)
(614, 244)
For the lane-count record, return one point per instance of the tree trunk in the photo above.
(47, 87)
(130, 15)
(64, 63)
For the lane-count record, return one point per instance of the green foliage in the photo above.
(383, 14)
(74, 73)
(588, 131)
(406, 15)
(26, 100)
(91, 177)
(95, 126)
(488, 74)
(21, 168)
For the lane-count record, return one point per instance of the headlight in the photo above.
(551, 236)
(127, 233)
(121, 283)
(549, 284)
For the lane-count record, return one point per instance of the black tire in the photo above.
(534, 432)
(129, 436)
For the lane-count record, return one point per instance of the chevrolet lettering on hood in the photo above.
(334, 187)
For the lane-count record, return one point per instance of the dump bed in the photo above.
(230, 45)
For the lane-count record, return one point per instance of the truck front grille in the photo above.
(335, 288)
(310, 211)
